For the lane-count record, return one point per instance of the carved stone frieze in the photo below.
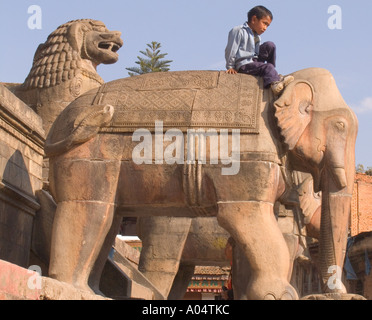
(193, 99)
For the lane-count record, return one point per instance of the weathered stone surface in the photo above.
(17, 283)
(21, 160)
(334, 296)
(206, 241)
(42, 230)
(184, 100)
(55, 290)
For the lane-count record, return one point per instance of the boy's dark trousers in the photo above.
(264, 66)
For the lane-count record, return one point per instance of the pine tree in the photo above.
(153, 61)
(359, 168)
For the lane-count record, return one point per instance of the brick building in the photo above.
(361, 211)
(359, 252)
(207, 283)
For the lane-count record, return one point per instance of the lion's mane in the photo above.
(59, 58)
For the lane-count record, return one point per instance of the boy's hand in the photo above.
(232, 71)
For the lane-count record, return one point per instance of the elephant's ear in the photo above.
(294, 111)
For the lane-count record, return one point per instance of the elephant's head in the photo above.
(320, 131)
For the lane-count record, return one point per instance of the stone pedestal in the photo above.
(17, 283)
(334, 296)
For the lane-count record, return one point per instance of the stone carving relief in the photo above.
(197, 99)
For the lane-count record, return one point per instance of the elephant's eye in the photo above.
(340, 125)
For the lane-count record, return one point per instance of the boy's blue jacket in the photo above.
(241, 47)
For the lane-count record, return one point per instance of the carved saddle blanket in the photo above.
(183, 100)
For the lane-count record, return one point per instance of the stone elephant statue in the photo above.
(172, 246)
(200, 143)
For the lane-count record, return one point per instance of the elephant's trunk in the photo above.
(337, 184)
(333, 234)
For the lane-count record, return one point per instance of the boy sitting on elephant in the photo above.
(245, 54)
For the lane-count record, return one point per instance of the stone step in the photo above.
(139, 286)
(17, 283)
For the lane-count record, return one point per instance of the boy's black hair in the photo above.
(259, 12)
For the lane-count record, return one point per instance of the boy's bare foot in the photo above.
(278, 86)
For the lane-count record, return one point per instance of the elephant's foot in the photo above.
(78, 233)
(268, 288)
(77, 284)
(255, 230)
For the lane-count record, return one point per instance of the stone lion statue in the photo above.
(65, 66)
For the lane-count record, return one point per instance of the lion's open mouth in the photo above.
(111, 46)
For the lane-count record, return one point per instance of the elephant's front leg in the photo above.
(252, 224)
(84, 189)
